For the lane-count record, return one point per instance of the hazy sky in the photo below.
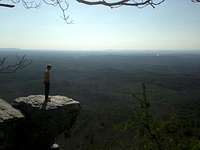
(173, 25)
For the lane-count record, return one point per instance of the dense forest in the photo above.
(130, 100)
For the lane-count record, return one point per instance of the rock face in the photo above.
(9, 120)
(8, 113)
(44, 121)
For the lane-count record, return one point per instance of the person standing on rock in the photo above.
(46, 82)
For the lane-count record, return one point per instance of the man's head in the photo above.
(49, 67)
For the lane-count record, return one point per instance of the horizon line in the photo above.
(103, 50)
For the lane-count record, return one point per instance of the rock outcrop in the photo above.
(34, 124)
(44, 121)
(9, 120)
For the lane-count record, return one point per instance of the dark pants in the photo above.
(46, 90)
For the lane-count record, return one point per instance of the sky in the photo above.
(173, 25)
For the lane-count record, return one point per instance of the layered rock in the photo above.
(10, 118)
(44, 121)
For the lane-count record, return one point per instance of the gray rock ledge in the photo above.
(36, 102)
(44, 121)
(10, 118)
(8, 113)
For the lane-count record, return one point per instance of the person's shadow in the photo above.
(44, 105)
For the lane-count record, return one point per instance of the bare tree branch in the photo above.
(7, 5)
(119, 3)
(20, 63)
(146, 117)
(196, 1)
(115, 4)
(63, 5)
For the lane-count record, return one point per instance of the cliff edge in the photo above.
(42, 121)
(9, 119)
